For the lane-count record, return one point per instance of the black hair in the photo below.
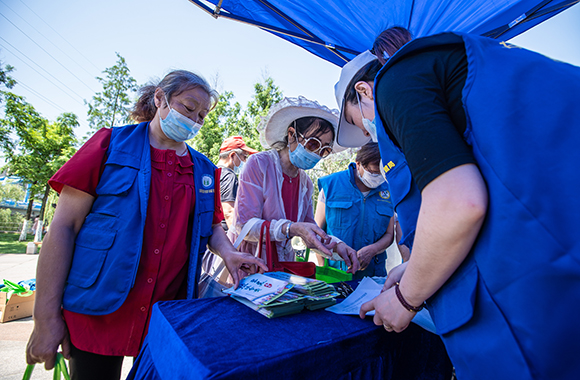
(172, 84)
(367, 73)
(369, 154)
(310, 126)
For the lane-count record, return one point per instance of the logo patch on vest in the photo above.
(207, 181)
(384, 194)
(388, 166)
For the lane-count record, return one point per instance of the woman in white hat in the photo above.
(274, 185)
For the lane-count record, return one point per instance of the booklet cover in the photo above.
(260, 289)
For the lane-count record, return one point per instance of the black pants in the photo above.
(88, 366)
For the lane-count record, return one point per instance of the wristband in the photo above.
(412, 309)
(288, 230)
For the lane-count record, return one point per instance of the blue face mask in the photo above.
(302, 158)
(238, 168)
(178, 127)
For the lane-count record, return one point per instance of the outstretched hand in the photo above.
(388, 311)
(313, 236)
(240, 264)
(394, 276)
(349, 256)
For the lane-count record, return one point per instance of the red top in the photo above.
(162, 272)
(290, 191)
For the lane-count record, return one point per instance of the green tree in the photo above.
(5, 79)
(229, 119)
(10, 221)
(216, 125)
(11, 191)
(37, 148)
(111, 106)
(336, 162)
(266, 94)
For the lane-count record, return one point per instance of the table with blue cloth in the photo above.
(219, 338)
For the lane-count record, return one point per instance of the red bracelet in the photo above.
(413, 309)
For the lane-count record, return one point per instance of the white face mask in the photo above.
(369, 125)
(372, 181)
(178, 127)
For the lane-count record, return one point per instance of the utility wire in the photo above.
(71, 90)
(71, 45)
(43, 35)
(57, 61)
(42, 97)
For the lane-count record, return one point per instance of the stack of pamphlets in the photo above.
(276, 294)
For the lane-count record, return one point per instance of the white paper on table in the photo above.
(366, 291)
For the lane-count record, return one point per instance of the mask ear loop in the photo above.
(359, 106)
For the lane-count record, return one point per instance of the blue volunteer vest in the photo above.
(510, 311)
(356, 220)
(108, 245)
(405, 193)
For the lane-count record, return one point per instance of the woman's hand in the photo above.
(43, 343)
(241, 264)
(350, 257)
(313, 236)
(365, 255)
(394, 276)
(389, 311)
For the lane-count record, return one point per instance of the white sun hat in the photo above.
(274, 126)
(349, 135)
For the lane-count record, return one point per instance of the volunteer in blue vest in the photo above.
(136, 211)
(274, 185)
(355, 206)
(489, 133)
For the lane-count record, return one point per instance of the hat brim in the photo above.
(249, 150)
(279, 122)
(349, 135)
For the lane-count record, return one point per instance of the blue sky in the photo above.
(58, 48)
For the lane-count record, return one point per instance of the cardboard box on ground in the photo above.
(16, 307)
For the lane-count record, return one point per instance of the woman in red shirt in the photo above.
(97, 340)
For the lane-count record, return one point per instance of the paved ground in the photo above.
(14, 334)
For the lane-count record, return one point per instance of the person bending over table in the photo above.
(274, 185)
(490, 135)
(355, 206)
(137, 209)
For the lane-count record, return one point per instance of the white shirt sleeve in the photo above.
(321, 196)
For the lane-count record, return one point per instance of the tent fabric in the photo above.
(337, 30)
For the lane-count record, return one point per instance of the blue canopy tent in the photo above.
(338, 30)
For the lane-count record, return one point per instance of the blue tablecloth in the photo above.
(219, 338)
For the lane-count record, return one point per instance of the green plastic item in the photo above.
(331, 275)
(59, 369)
(327, 273)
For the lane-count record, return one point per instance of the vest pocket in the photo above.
(453, 305)
(383, 217)
(339, 216)
(116, 179)
(91, 248)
